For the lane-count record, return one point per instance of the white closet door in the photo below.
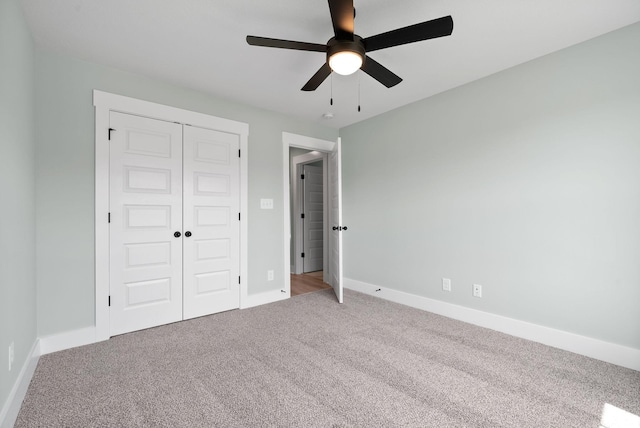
(211, 207)
(145, 213)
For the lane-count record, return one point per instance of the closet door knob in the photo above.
(177, 234)
(187, 234)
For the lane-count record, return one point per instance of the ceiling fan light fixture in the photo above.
(345, 56)
(345, 62)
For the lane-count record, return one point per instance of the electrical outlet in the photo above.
(11, 355)
(477, 290)
(446, 284)
(269, 275)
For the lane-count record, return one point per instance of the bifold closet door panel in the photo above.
(145, 223)
(211, 259)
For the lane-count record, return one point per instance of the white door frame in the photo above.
(105, 102)
(297, 192)
(302, 142)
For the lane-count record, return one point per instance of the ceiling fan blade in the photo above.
(414, 33)
(380, 73)
(342, 16)
(317, 78)
(285, 44)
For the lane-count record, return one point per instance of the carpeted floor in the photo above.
(308, 361)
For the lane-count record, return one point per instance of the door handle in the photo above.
(187, 234)
(339, 228)
(177, 234)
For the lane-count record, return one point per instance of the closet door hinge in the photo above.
(302, 255)
(109, 218)
(238, 216)
(238, 152)
(302, 215)
(110, 129)
(109, 300)
(238, 280)
(302, 177)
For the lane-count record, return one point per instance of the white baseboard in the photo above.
(264, 298)
(87, 335)
(11, 408)
(583, 345)
(67, 340)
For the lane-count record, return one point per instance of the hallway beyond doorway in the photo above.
(307, 283)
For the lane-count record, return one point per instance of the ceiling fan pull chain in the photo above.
(358, 92)
(331, 102)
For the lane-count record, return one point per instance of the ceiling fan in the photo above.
(347, 52)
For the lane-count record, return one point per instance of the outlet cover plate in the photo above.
(446, 284)
(477, 290)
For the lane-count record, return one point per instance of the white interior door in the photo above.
(335, 220)
(211, 223)
(313, 221)
(145, 212)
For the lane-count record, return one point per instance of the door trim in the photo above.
(104, 103)
(302, 142)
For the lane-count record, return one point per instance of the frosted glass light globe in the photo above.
(345, 62)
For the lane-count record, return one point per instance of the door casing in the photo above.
(303, 142)
(104, 103)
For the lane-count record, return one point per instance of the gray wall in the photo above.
(65, 180)
(17, 194)
(527, 182)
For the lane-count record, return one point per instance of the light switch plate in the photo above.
(266, 204)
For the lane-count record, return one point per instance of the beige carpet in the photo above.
(308, 362)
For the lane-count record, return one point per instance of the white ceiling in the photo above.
(200, 44)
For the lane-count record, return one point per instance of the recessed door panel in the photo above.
(147, 293)
(211, 207)
(211, 216)
(149, 254)
(146, 180)
(207, 283)
(212, 249)
(145, 212)
(148, 143)
(212, 152)
(211, 184)
(147, 216)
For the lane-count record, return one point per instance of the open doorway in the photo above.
(329, 151)
(309, 227)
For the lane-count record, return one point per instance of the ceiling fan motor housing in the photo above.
(334, 46)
